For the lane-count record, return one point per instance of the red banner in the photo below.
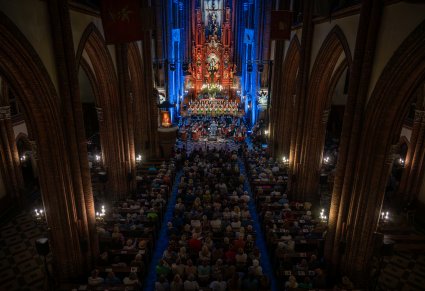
(121, 20)
(281, 23)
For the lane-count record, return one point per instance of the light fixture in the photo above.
(97, 157)
(385, 215)
(139, 158)
(23, 158)
(285, 160)
(401, 161)
(100, 215)
(266, 132)
(39, 215)
(326, 160)
(323, 217)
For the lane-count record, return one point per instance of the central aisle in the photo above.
(261, 243)
(164, 239)
(163, 235)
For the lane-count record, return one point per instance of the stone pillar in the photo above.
(80, 200)
(10, 156)
(411, 178)
(151, 106)
(368, 28)
(314, 158)
(126, 107)
(363, 218)
(301, 100)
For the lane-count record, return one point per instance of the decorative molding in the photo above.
(5, 112)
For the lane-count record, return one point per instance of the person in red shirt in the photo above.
(194, 244)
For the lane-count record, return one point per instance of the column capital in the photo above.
(5, 112)
(99, 112)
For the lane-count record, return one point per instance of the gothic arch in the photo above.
(26, 74)
(384, 116)
(102, 76)
(324, 76)
(144, 105)
(285, 107)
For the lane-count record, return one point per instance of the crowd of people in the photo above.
(294, 236)
(128, 229)
(213, 107)
(211, 236)
(225, 127)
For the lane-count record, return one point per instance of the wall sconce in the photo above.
(39, 216)
(266, 132)
(138, 158)
(97, 158)
(401, 162)
(385, 216)
(100, 215)
(323, 217)
(23, 158)
(327, 160)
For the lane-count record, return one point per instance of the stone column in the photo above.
(412, 161)
(368, 28)
(75, 158)
(314, 159)
(301, 93)
(364, 215)
(10, 156)
(126, 107)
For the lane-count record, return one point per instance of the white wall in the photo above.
(20, 128)
(407, 132)
(32, 19)
(348, 26)
(79, 23)
(398, 21)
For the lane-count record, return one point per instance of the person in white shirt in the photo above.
(190, 284)
(94, 279)
(218, 285)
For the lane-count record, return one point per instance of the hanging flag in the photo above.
(248, 36)
(121, 20)
(281, 23)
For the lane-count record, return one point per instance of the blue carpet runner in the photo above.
(260, 241)
(163, 239)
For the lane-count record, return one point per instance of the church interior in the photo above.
(215, 145)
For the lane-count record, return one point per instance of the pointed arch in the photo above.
(144, 105)
(384, 116)
(290, 75)
(324, 76)
(24, 71)
(106, 90)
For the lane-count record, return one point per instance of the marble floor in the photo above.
(21, 268)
